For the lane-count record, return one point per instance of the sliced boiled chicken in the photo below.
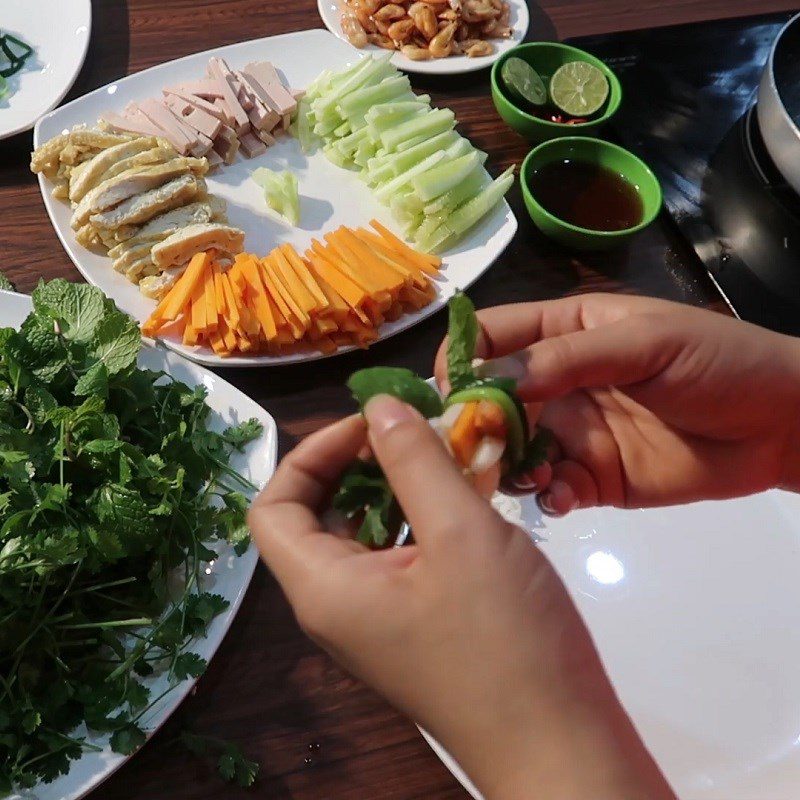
(142, 207)
(183, 244)
(129, 183)
(92, 174)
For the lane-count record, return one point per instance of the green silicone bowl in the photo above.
(546, 58)
(594, 151)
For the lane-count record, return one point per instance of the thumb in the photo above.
(415, 461)
(622, 353)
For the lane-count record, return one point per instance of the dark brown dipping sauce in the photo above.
(587, 195)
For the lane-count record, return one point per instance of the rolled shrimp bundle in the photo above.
(481, 422)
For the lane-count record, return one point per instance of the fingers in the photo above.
(283, 518)
(572, 487)
(307, 474)
(508, 329)
(434, 495)
(626, 352)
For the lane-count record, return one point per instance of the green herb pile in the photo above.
(364, 492)
(112, 491)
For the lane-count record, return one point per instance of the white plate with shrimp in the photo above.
(331, 13)
(696, 613)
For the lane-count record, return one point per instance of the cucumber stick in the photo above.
(368, 119)
(445, 176)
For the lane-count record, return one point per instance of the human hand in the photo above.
(470, 631)
(652, 403)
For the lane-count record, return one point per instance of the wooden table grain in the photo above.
(318, 733)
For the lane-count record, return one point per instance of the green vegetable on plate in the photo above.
(280, 192)
(113, 491)
(367, 118)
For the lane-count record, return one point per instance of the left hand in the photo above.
(470, 631)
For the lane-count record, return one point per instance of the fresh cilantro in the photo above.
(113, 492)
(232, 765)
(364, 490)
(127, 740)
(5, 286)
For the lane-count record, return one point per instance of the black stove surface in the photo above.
(688, 98)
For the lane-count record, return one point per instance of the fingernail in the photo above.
(384, 412)
(514, 366)
(559, 496)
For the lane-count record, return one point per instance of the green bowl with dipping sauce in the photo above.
(607, 162)
(546, 58)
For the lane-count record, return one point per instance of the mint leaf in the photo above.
(116, 342)
(77, 307)
(397, 382)
(93, 382)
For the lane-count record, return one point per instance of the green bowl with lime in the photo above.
(589, 194)
(545, 90)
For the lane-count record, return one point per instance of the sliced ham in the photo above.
(207, 88)
(266, 76)
(198, 102)
(218, 68)
(215, 160)
(227, 114)
(246, 99)
(195, 117)
(158, 113)
(265, 137)
(142, 126)
(227, 144)
(251, 146)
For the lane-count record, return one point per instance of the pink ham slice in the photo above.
(227, 144)
(207, 88)
(194, 117)
(131, 125)
(251, 146)
(158, 113)
(214, 160)
(276, 96)
(217, 67)
(227, 114)
(198, 102)
(262, 117)
(265, 137)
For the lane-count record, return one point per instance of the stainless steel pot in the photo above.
(778, 106)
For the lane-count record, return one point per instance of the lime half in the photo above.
(522, 80)
(579, 89)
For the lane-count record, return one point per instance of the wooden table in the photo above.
(317, 732)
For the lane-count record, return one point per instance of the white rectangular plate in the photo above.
(228, 576)
(330, 196)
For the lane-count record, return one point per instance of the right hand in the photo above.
(652, 403)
